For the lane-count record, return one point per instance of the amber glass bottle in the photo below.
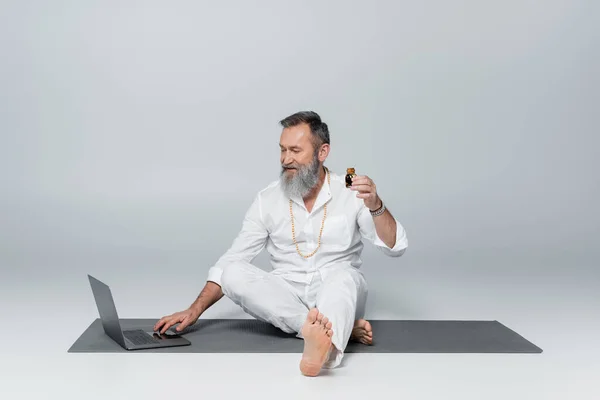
(349, 175)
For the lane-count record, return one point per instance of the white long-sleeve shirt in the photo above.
(268, 223)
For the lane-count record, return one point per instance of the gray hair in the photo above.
(318, 128)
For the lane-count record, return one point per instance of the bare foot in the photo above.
(362, 332)
(317, 342)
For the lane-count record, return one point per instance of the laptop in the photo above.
(131, 339)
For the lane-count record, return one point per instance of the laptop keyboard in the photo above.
(138, 336)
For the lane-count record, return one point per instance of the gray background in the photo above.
(134, 135)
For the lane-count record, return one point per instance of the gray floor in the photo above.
(48, 306)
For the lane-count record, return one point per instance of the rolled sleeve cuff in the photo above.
(214, 275)
(400, 245)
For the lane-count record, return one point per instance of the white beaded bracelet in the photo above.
(379, 211)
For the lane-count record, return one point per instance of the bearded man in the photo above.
(313, 226)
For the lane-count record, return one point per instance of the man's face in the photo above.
(299, 161)
(296, 149)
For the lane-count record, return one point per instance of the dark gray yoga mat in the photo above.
(390, 336)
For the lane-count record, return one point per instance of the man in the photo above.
(312, 226)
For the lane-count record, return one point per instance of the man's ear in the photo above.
(323, 152)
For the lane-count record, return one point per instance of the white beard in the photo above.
(302, 181)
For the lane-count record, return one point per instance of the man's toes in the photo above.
(358, 332)
(328, 325)
(324, 321)
(329, 332)
(320, 317)
(312, 315)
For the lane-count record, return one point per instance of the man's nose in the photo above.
(287, 159)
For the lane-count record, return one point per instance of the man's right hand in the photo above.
(184, 318)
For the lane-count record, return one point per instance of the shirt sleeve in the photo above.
(368, 231)
(248, 243)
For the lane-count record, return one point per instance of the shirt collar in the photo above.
(324, 194)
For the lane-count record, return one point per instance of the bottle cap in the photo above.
(349, 170)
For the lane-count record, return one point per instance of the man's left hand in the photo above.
(367, 190)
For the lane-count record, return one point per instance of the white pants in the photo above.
(341, 297)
